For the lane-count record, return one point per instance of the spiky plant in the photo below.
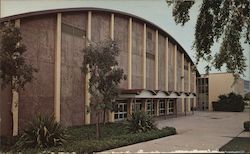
(141, 122)
(42, 132)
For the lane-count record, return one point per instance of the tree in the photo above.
(247, 96)
(105, 75)
(14, 70)
(226, 20)
(231, 102)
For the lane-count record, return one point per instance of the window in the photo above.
(162, 107)
(171, 107)
(202, 89)
(120, 111)
(150, 56)
(150, 107)
(71, 30)
(149, 43)
(205, 89)
(206, 81)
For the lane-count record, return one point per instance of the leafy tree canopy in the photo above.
(105, 75)
(13, 68)
(228, 20)
(247, 96)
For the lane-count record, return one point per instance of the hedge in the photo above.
(230, 103)
(247, 125)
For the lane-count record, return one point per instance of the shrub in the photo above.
(42, 132)
(141, 122)
(231, 103)
(6, 142)
(247, 125)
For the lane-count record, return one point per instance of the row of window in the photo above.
(71, 30)
(202, 81)
(121, 111)
(165, 108)
(202, 88)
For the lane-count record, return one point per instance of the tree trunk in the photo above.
(98, 126)
(104, 116)
(14, 110)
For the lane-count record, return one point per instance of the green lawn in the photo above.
(82, 138)
(237, 144)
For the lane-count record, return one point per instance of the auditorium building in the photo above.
(161, 77)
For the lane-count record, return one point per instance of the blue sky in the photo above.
(156, 11)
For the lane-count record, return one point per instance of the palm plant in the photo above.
(42, 132)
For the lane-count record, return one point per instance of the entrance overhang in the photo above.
(157, 94)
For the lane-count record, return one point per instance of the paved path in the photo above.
(201, 131)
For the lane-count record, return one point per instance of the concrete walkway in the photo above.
(201, 131)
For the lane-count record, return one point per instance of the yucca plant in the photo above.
(141, 122)
(42, 132)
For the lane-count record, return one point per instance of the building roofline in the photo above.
(29, 14)
(218, 73)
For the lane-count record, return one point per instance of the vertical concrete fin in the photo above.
(130, 54)
(156, 60)
(15, 99)
(87, 94)
(58, 69)
(166, 64)
(144, 54)
(112, 23)
(175, 68)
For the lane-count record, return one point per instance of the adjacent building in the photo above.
(161, 79)
(246, 87)
(210, 86)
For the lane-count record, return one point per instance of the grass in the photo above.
(82, 138)
(237, 144)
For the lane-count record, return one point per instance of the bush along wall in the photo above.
(246, 125)
(231, 103)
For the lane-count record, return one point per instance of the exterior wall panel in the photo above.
(100, 29)
(192, 81)
(170, 66)
(179, 105)
(161, 63)
(5, 111)
(239, 87)
(39, 37)
(179, 63)
(137, 57)
(150, 60)
(225, 83)
(185, 75)
(72, 79)
(121, 36)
